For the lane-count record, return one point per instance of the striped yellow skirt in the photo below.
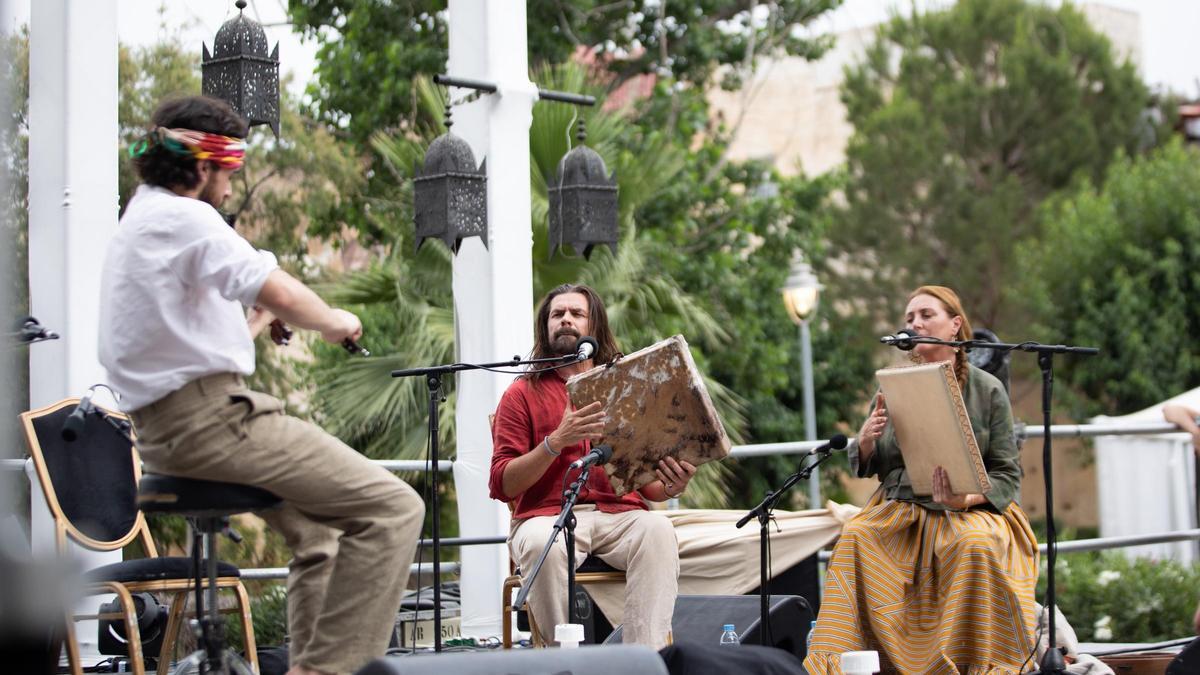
(932, 591)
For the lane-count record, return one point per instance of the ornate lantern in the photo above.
(449, 193)
(583, 201)
(240, 72)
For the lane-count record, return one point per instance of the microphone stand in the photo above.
(1052, 661)
(433, 380)
(764, 514)
(564, 522)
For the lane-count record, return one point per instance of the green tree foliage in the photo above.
(408, 309)
(1119, 269)
(727, 232)
(965, 120)
(370, 50)
(1108, 597)
(146, 76)
(14, 249)
(14, 146)
(721, 232)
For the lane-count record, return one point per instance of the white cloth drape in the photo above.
(1146, 484)
(716, 558)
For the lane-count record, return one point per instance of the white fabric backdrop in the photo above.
(1146, 484)
(716, 558)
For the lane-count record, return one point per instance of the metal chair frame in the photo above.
(178, 588)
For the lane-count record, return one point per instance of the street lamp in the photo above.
(800, 295)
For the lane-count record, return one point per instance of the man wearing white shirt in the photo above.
(176, 342)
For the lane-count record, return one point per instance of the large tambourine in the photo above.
(656, 406)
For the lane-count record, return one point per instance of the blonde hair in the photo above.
(953, 306)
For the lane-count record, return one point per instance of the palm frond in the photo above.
(412, 289)
(376, 284)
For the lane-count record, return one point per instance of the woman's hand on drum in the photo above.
(872, 428)
(942, 494)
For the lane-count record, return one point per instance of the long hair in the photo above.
(953, 306)
(607, 349)
(159, 166)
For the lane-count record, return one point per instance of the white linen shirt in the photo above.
(175, 283)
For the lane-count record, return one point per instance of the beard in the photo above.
(564, 341)
(210, 194)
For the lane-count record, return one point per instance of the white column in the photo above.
(72, 206)
(72, 185)
(493, 287)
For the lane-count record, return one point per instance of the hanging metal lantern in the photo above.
(240, 72)
(449, 193)
(583, 201)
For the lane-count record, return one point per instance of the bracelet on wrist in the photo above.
(546, 444)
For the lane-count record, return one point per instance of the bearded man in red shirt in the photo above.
(536, 436)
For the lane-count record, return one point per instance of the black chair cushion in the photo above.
(595, 564)
(92, 477)
(200, 498)
(154, 569)
(591, 563)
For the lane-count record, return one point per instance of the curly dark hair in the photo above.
(159, 166)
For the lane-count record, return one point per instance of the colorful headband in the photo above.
(227, 151)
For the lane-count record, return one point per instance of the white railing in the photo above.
(1073, 546)
(792, 448)
(798, 447)
(1023, 430)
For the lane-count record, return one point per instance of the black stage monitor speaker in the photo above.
(697, 659)
(800, 579)
(599, 660)
(700, 619)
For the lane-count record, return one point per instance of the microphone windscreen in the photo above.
(587, 340)
(73, 426)
(838, 441)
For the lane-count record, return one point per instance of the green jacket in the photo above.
(991, 418)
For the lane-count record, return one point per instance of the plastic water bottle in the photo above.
(729, 636)
(808, 640)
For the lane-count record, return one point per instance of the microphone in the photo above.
(835, 442)
(764, 508)
(585, 348)
(78, 417)
(599, 455)
(902, 339)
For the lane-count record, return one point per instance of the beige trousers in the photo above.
(351, 525)
(640, 542)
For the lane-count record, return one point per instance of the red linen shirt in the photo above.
(528, 412)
